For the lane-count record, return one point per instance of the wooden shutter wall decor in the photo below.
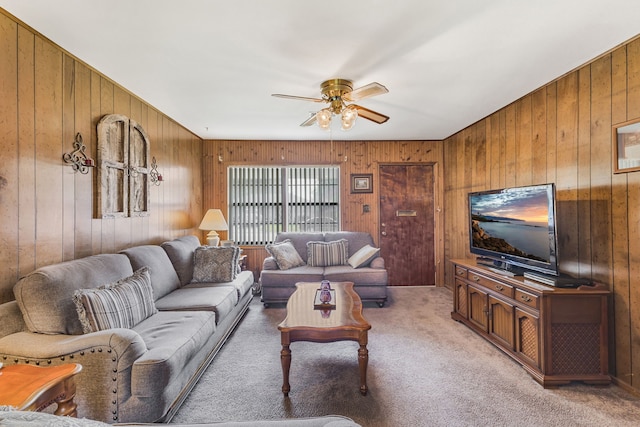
(123, 173)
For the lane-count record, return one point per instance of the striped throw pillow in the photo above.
(122, 304)
(325, 254)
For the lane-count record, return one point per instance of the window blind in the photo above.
(266, 200)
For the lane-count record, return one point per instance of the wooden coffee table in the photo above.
(304, 323)
(33, 388)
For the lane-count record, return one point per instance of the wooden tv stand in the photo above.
(557, 335)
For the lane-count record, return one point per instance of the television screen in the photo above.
(516, 225)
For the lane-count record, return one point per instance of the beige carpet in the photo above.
(424, 370)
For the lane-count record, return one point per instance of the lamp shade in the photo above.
(214, 220)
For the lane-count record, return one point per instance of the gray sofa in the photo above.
(137, 374)
(370, 280)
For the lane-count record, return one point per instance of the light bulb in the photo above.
(349, 116)
(324, 118)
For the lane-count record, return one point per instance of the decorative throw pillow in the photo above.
(122, 304)
(325, 254)
(363, 256)
(285, 254)
(215, 264)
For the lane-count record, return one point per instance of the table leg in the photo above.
(285, 359)
(66, 405)
(363, 360)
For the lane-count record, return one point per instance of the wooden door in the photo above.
(407, 224)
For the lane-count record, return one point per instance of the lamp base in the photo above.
(213, 238)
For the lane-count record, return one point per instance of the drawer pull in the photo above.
(460, 273)
(500, 288)
(525, 298)
(476, 278)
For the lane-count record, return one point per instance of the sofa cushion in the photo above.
(356, 239)
(285, 254)
(323, 254)
(299, 241)
(359, 276)
(363, 257)
(242, 283)
(56, 284)
(122, 304)
(292, 276)
(217, 299)
(164, 278)
(215, 264)
(173, 338)
(269, 263)
(180, 252)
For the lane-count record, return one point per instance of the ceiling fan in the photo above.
(336, 93)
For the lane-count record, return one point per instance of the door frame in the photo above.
(438, 218)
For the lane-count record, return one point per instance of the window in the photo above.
(266, 200)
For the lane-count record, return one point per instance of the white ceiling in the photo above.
(212, 65)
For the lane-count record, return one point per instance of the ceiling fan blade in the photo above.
(301, 98)
(372, 89)
(370, 114)
(310, 121)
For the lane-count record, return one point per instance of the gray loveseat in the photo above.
(370, 279)
(137, 374)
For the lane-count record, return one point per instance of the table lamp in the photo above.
(212, 221)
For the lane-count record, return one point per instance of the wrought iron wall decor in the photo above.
(154, 175)
(78, 159)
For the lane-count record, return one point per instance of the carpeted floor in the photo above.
(424, 370)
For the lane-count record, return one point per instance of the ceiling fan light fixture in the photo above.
(323, 118)
(335, 92)
(349, 116)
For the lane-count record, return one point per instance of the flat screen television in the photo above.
(516, 228)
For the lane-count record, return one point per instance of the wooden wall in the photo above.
(562, 133)
(46, 210)
(352, 157)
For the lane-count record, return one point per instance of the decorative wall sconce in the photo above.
(154, 175)
(78, 158)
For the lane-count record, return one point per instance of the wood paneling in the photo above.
(562, 133)
(352, 157)
(47, 210)
(9, 195)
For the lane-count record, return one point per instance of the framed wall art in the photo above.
(362, 183)
(626, 146)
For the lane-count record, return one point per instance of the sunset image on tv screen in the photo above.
(513, 221)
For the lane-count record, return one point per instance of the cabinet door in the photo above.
(460, 298)
(527, 338)
(501, 321)
(478, 308)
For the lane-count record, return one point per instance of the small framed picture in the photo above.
(362, 183)
(626, 146)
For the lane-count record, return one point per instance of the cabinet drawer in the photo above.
(461, 272)
(527, 298)
(503, 288)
